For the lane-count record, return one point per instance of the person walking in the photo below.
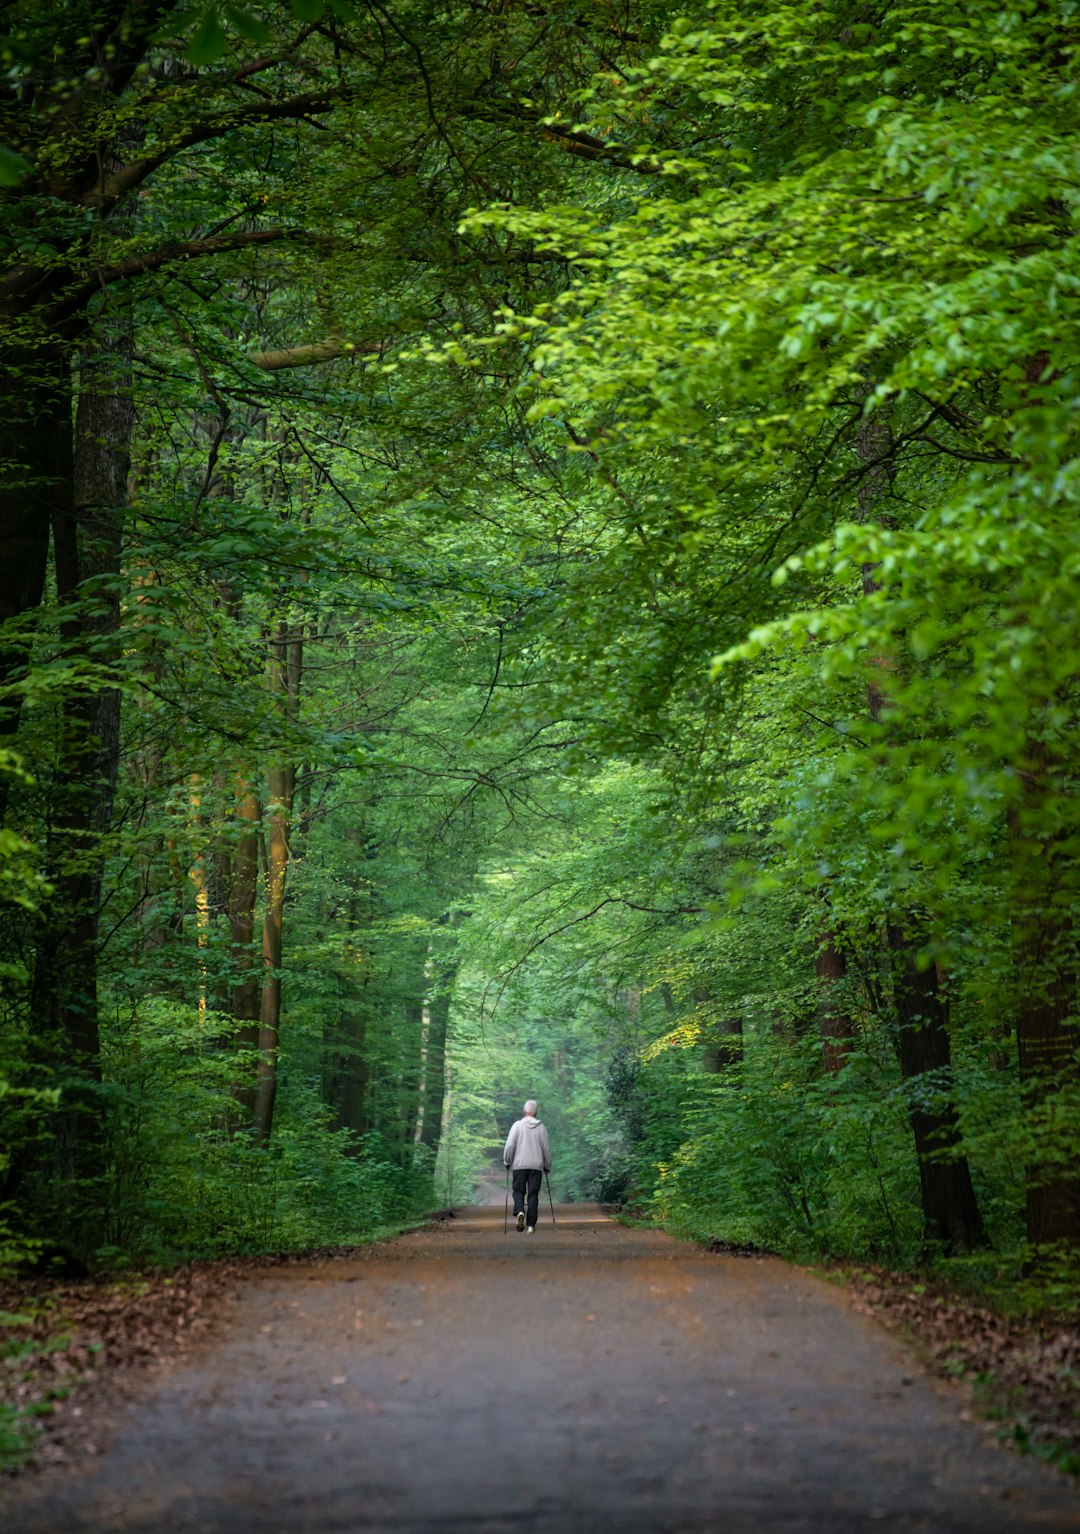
(528, 1155)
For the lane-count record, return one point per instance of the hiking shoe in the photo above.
(521, 1222)
(530, 1231)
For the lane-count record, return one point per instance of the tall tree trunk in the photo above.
(838, 1032)
(1048, 1016)
(94, 461)
(433, 1072)
(352, 1075)
(950, 1209)
(243, 889)
(412, 1077)
(35, 472)
(286, 663)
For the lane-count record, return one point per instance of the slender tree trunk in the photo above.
(425, 1034)
(430, 1118)
(285, 669)
(243, 889)
(838, 1032)
(412, 1079)
(197, 873)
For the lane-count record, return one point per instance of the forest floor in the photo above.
(591, 1377)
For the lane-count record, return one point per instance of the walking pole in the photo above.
(506, 1200)
(547, 1180)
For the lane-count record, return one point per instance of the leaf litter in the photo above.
(73, 1351)
(1024, 1373)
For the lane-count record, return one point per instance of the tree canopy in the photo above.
(537, 549)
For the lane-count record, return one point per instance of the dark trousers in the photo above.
(527, 1192)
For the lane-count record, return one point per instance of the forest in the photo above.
(538, 556)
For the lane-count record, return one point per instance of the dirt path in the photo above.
(585, 1379)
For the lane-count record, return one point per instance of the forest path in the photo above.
(587, 1378)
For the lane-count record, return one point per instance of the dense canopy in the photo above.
(538, 549)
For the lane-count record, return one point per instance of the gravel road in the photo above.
(588, 1379)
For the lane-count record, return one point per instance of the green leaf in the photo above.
(209, 42)
(247, 25)
(13, 168)
(308, 10)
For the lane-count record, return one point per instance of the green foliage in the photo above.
(185, 1182)
(605, 507)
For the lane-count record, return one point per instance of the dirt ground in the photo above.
(587, 1378)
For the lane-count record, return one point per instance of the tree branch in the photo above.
(108, 190)
(573, 140)
(183, 250)
(315, 351)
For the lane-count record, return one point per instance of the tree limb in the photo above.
(183, 250)
(315, 351)
(574, 141)
(108, 190)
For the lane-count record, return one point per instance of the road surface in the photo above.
(589, 1379)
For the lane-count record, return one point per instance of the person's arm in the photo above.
(508, 1148)
(546, 1148)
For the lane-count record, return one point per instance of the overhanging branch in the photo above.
(108, 190)
(330, 350)
(166, 255)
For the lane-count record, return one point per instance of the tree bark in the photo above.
(433, 1065)
(243, 889)
(285, 674)
(1047, 1032)
(36, 459)
(838, 1032)
(93, 461)
(950, 1209)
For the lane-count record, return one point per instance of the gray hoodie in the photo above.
(527, 1147)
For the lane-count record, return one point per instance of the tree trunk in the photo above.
(93, 462)
(35, 465)
(950, 1210)
(243, 888)
(412, 1078)
(838, 1032)
(430, 1117)
(1048, 1036)
(285, 672)
(951, 1215)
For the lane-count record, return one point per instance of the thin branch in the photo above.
(682, 910)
